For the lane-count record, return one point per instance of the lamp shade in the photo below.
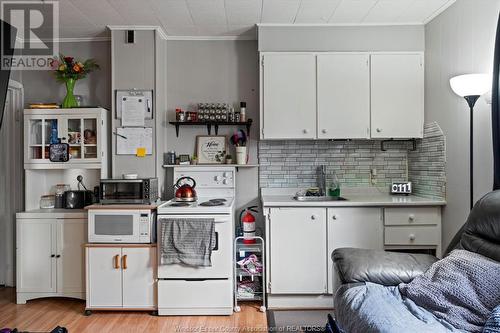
(471, 84)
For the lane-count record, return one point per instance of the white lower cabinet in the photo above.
(50, 258)
(120, 277)
(357, 227)
(298, 251)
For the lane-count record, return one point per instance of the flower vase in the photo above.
(241, 155)
(70, 99)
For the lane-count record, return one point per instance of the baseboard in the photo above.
(298, 302)
(223, 311)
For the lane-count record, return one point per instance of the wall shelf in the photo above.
(237, 166)
(209, 124)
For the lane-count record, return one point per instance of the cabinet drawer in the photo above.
(417, 235)
(185, 294)
(412, 216)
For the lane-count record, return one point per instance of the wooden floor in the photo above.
(43, 315)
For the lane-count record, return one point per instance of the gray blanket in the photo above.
(187, 241)
(462, 289)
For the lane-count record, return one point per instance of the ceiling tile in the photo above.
(279, 11)
(352, 11)
(69, 15)
(172, 12)
(207, 12)
(243, 12)
(387, 11)
(180, 30)
(105, 15)
(421, 10)
(317, 11)
(135, 12)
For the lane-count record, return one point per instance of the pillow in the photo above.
(493, 323)
(461, 289)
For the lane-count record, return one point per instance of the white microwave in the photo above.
(121, 226)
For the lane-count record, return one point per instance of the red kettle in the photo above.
(184, 191)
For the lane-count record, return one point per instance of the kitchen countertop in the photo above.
(125, 207)
(54, 213)
(371, 197)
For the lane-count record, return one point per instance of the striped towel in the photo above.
(187, 241)
(493, 323)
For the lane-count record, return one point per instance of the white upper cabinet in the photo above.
(288, 108)
(343, 96)
(397, 95)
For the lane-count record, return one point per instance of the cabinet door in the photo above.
(36, 261)
(71, 236)
(298, 251)
(343, 96)
(353, 227)
(104, 277)
(138, 277)
(397, 95)
(39, 132)
(289, 96)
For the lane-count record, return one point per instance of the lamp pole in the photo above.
(471, 101)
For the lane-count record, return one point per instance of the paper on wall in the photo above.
(133, 108)
(129, 139)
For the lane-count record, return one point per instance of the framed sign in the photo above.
(210, 149)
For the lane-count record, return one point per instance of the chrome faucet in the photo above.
(322, 180)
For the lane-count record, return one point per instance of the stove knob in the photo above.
(217, 178)
(225, 182)
(226, 174)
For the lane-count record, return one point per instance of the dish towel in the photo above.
(187, 241)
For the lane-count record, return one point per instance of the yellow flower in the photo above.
(62, 68)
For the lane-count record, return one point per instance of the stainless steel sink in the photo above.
(315, 199)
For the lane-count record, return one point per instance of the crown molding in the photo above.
(439, 11)
(213, 38)
(378, 24)
(157, 28)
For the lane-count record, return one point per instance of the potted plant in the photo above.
(229, 159)
(239, 140)
(194, 160)
(68, 70)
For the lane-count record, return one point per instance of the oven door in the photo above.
(122, 191)
(113, 226)
(221, 255)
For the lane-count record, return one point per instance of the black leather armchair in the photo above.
(356, 268)
(480, 234)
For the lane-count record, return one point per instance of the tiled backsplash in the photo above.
(427, 165)
(293, 163)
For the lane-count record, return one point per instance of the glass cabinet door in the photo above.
(82, 137)
(80, 131)
(41, 133)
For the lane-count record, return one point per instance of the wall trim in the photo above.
(157, 28)
(391, 24)
(213, 38)
(439, 11)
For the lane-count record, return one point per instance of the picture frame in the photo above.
(211, 149)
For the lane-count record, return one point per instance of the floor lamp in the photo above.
(471, 87)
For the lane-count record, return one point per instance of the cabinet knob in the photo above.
(334, 217)
(411, 237)
(313, 217)
(324, 131)
(116, 261)
(58, 256)
(52, 255)
(305, 131)
(411, 217)
(379, 130)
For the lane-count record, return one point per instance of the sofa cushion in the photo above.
(372, 308)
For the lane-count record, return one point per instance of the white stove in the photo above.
(187, 290)
(204, 205)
